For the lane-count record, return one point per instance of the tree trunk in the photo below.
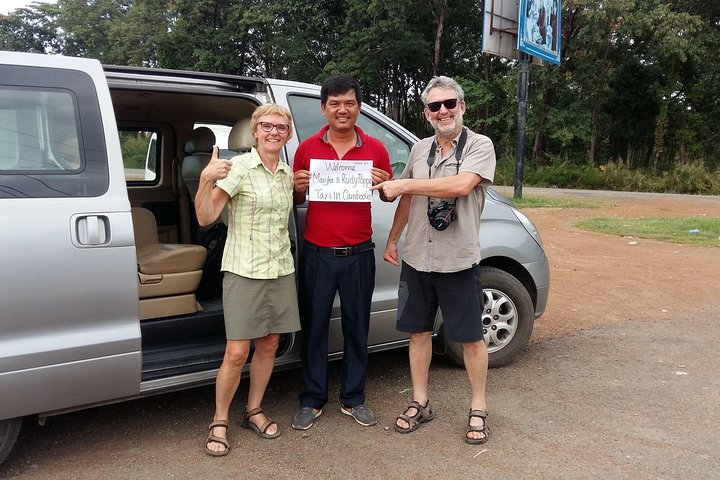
(538, 148)
(440, 16)
(537, 154)
(681, 154)
(661, 126)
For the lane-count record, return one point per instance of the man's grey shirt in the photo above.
(458, 247)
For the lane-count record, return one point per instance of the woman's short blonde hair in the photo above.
(271, 109)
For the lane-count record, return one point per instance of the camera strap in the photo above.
(458, 156)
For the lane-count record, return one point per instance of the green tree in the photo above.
(139, 32)
(384, 49)
(86, 25)
(638, 81)
(31, 29)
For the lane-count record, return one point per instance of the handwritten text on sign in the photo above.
(340, 180)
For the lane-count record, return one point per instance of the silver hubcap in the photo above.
(500, 319)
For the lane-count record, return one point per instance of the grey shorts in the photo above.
(459, 296)
(255, 308)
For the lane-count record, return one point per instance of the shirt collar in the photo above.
(454, 140)
(256, 161)
(359, 134)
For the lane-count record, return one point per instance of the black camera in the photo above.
(442, 215)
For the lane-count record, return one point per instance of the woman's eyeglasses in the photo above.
(450, 103)
(282, 128)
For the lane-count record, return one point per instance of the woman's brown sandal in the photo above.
(262, 429)
(422, 414)
(213, 438)
(481, 429)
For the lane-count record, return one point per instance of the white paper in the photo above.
(340, 180)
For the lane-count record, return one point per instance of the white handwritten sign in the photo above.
(340, 180)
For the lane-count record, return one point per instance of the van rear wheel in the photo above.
(9, 431)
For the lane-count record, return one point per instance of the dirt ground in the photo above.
(577, 404)
(602, 279)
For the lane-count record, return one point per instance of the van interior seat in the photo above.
(241, 139)
(168, 274)
(198, 151)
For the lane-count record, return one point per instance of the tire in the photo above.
(508, 318)
(9, 431)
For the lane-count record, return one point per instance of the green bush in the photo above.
(505, 171)
(618, 177)
(693, 178)
(134, 146)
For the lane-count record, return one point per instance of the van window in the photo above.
(308, 120)
(307, 116)
(51, 137)
(141, 155)
(398, 148)
(38, 132)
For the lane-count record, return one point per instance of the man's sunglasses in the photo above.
(282, 128)
(450, 103)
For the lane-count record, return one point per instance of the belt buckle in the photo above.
(342, 251)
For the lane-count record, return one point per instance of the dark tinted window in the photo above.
(51, 137)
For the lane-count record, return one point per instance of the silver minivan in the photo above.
(98, 167)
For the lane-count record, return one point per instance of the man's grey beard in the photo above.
(451, 131)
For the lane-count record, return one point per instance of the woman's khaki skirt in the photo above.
(255, 308)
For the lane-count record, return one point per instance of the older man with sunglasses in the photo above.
(442, 192)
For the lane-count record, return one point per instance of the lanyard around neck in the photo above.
(458, 152)
(458, 156)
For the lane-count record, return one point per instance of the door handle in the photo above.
(92, 230)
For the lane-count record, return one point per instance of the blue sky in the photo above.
(6, 6)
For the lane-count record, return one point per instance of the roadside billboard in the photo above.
(539, 29)
(500, 27)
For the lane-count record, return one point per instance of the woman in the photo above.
(259, 297)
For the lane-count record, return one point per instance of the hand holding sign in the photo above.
(301, 181)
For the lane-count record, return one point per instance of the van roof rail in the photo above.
(122, 74)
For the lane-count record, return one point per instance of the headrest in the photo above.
(201, 140)
(241, 136)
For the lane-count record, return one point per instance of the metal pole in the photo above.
(523, 94)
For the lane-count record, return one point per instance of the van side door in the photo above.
(69, 329)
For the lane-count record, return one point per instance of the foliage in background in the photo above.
(692, 178)
(134, 147)
(635, 104)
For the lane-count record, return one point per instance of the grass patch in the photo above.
(667, 229)
(552, 202)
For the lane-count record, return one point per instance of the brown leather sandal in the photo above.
(262, 430)
(482, 429)
(213, 438)
(423, 414)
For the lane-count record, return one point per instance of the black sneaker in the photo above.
(362, 414)
(305, 417)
